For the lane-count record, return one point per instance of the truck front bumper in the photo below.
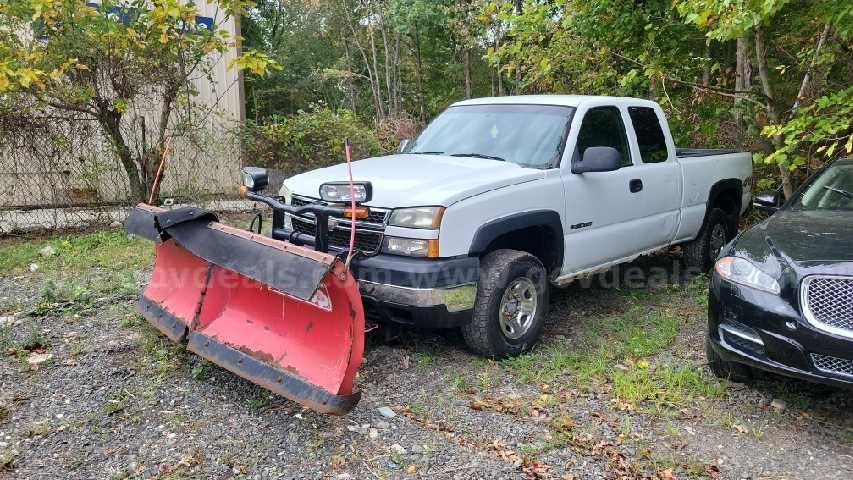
(429, 293)
(421, 292)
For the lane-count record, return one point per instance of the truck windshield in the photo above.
(832, 190)
(527, 135)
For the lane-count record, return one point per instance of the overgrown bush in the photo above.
(308, 140)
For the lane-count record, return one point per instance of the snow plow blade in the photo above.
(285, 317)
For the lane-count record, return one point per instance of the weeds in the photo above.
(111, 250)
(8, 457)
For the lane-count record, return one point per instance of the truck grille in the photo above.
(377, 216)
(368, 233)
(833, 365)
(827, 303)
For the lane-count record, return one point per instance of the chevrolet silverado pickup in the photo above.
(499, 197)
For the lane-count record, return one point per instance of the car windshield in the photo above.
(528, 135)
(831, 190)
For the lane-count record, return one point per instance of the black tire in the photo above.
(702, 251)
(483, 333)
(735, 372)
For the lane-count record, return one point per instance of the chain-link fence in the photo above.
(61, 172)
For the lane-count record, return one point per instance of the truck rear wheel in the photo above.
(512, 301)
(702, 252)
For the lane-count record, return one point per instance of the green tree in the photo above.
(806, 96)
(65, 57)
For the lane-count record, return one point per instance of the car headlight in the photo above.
(411, 247)
(417, 217)
(743, 272)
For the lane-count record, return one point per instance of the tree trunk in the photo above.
(743, 77)
(772, 112)
(349, 82)
(807, 78)
(389, 86)
(466, 66)
(378, 91)
(519, 7)
(418, 70)
(706, 67)
(110, 121)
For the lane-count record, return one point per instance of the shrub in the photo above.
(308, 140)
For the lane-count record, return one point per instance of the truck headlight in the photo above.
(411, 247)
(417, 217)
(743, 272)
(340, 192)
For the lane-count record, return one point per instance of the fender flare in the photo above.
(492, 230)
(717, 189)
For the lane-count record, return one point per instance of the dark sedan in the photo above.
(781, 295)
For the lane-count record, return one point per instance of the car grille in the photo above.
(827, 303)
(368, 233)
(833, 365)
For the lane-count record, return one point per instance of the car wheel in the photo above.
(512, 301)
(703, 251)
(736, 372)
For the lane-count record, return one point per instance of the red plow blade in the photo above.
(287, 318)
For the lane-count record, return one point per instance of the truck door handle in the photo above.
(635, 185)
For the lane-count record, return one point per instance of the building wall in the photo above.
(73, 164)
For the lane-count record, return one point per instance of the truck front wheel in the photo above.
(512, 301)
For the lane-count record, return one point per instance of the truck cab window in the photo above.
(650, 136)
(603, 127)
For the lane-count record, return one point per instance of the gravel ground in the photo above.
(89, 390)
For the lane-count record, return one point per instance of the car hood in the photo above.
(409, 180)
(805, 241)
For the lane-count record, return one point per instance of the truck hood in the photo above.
(408, 180)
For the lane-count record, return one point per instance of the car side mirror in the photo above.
(769, 201)
(598, 159)
(254, 179)
(403, 144)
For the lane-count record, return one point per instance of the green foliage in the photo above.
(308, 140)
(822, 128)
(725, 19)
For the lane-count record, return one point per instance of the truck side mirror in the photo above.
(769, 201)
(598, 159)
(254, 179)
(403, 144)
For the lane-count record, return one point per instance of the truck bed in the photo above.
(702, 152)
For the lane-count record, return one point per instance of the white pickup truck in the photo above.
(497, 197)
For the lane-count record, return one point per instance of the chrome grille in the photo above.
(827, 303)
(834, 365)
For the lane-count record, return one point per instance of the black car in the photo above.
(781, 296)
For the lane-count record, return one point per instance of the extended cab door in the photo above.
(610, 216)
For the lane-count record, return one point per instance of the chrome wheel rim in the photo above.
(718, 240)
(518, 308)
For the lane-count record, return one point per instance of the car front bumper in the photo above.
(765, 331)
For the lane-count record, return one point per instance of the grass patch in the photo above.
(36, 429)
(617, 349)
(108, 249)
(668, 384)
(604, 342)
(82, 295)
(8, 457)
